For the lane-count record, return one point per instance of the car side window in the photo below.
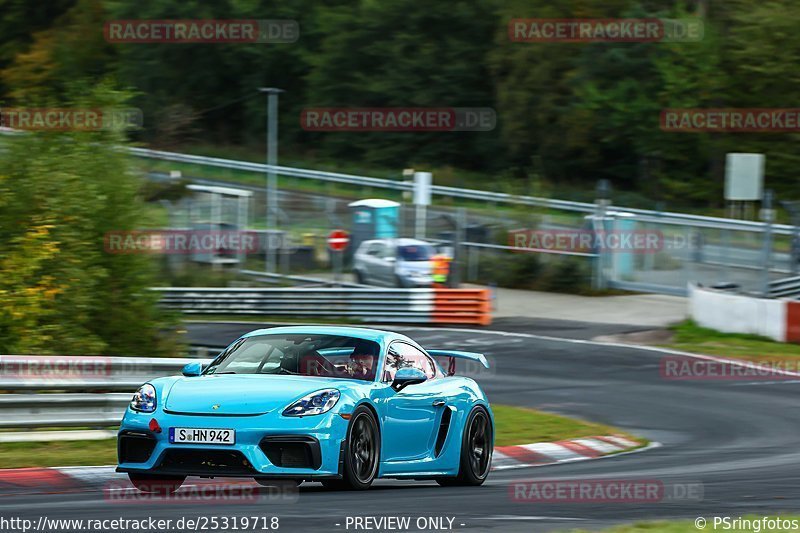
(401, 355)
(375, 249)
(387, 251)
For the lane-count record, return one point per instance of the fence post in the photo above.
(603, 193)
(689, 257)
(767, 215)
(794, 250)
(459, 226)
(473, 256)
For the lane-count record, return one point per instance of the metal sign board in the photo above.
(744, 177)
(422, 188)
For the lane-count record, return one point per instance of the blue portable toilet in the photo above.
(621, 262)
(373, 218)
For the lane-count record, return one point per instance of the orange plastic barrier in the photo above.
(462, 306)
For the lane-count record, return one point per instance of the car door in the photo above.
(388, 258)
(369, 261)
(413, 413)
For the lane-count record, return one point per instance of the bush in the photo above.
(60, 291)
(532, 272)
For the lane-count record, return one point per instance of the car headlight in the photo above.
(145, 399)
(315, 403)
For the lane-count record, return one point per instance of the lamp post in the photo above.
(272, 178)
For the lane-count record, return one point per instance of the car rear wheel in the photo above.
(154, 484)
(361, 279)
(477, 446)
(361, 455)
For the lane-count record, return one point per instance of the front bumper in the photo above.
(415, 281)
(268, 445)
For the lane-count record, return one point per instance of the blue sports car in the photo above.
(340, 405)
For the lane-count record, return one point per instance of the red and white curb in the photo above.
(59, 480)
(548, 453)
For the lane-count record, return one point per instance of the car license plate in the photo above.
(202, 436)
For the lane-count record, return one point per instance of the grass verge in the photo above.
(514, 425)
(58, 453)
(690, 337)
(756, 524)
(520, 425)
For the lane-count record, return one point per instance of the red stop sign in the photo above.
(338, 240)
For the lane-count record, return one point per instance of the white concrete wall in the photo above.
(734, 313)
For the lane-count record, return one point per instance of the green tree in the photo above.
(535, 84)
(620, 91)
(21, 20)
(761, 52)
(73, 48)
(60, 291)
(435, 57)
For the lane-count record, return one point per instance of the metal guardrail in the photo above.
(638, 286)
(645, 215)
(416, 306)
(268, 277)
(63, 410)
(784, 288)
(25, 373)
(42, 384)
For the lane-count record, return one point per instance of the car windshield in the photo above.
(304, 355)
(417, 252)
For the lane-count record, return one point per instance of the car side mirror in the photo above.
(192, 369)
(408, 376)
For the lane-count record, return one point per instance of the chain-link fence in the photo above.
(742, 256)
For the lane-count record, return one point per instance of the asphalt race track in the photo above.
(737, 439)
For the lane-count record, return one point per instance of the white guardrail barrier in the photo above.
(74, 391)
(416, 306)
(778, 319)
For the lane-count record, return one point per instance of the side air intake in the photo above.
(444, 427)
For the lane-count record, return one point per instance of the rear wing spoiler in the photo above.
(455, 354)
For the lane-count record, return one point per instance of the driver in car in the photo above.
(362, 366)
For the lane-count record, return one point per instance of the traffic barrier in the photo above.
(77, 389)
(784, 288)
(462, 306)
(778, 319)
(414, 306)
(35, 373)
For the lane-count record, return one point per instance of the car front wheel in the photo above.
(362, 453)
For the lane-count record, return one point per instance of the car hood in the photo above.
(246, 394)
